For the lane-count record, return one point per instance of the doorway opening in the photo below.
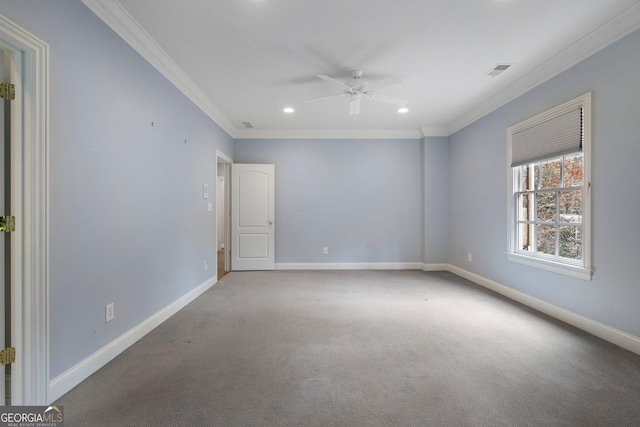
(223, 210)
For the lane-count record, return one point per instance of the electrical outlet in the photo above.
(206, 264)
(109, 312)
(325, 250)
(469, 257)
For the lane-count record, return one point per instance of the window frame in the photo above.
(575, 268)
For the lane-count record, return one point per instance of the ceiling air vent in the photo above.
(498, 69)
(247, 125)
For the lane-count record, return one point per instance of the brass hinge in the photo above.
(7, 355)
(7, 224)
(7, 91)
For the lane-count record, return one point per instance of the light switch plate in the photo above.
(205, 191)
(210, 207)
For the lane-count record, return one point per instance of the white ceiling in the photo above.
(245, 60)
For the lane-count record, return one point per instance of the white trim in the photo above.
(575, 271)
(122, 23)
(116, 17)
(582, 271)
(30, 200)
(434, 131)
(72, 377)
(81, 371)
(328, 134)
(349, 266)
(435, 267)
(601, 330)
(228, 160)
(224, 157)
(607, 34)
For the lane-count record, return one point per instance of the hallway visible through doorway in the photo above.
(221, 271)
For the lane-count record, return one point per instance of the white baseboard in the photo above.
(81, 371)
(435, 267)
(349, 266)
(606, 332)
(78, 373)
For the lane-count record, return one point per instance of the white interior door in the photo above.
(252, 217)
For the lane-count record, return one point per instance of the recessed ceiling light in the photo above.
(403, 110)
(288, 110)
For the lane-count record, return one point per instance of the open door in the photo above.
(252, 217)
(7, 222)
(4, 210)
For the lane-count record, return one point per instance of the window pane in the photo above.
(547, 239)
(573, 171)
(571, 206)
(527, 177)
(525, 207)
(571, 242)
(546, 204)
(525, 237)
(550, 174)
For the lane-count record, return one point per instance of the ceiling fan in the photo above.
(356, 89)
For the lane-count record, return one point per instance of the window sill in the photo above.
(568, 270)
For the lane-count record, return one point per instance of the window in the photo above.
(549, 190)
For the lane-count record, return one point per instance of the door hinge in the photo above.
(7, 356)
(7, 91)
(7, 224)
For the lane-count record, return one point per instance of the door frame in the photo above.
(227, 161)
(30, 205)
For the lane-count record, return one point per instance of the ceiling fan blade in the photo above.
(354, 105)
(379, 84)
(333, 81)
(389, 99)
(324, 98)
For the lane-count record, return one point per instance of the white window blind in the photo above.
(556, 136)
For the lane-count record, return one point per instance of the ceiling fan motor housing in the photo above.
(357, 83)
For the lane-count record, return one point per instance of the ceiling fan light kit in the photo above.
(357, 89)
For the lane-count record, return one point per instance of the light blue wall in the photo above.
(435, 163)
(128, 221)
(478, 182)
(360, 198)
(129, 225)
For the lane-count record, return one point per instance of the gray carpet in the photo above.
(360, 348)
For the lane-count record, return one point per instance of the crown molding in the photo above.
(112, 13)
(434, 131)
(607, 34)
(328, 134)
(122, 23)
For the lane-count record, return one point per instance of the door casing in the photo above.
(30, 206)
(227, 161)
